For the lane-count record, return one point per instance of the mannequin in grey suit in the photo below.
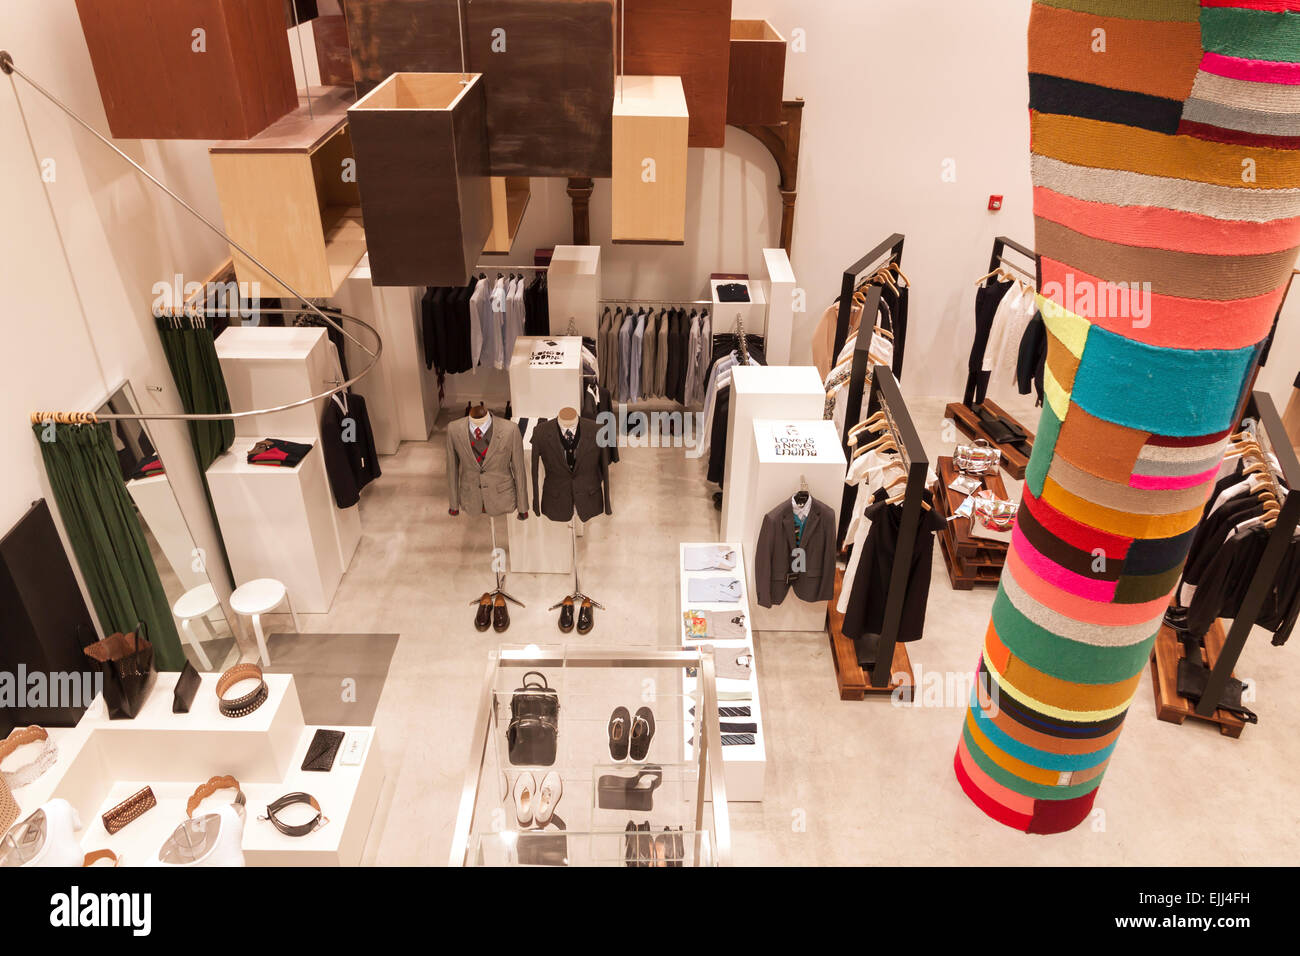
(495, 487)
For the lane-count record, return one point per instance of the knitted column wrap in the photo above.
(1166, 164)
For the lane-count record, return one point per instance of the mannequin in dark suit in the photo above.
(577, 470)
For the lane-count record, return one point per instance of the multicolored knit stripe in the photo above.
(1166, 164)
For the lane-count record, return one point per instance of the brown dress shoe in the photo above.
(500, 616)
(483, 619)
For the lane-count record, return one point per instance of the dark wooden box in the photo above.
(757, 85)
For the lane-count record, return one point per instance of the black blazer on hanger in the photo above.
(776, 544)
(585, 489)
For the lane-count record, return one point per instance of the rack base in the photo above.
(855, 682)
(969, 424)
(1164, 680)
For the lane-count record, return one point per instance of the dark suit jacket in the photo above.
(772, 558)
(586, 488)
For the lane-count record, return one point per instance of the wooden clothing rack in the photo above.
(889, 252)
(1222, 653)
(964, 413)
(893, 667)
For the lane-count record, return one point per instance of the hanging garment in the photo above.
(1002, 355)
(988, 298)
(480, 319)
(514, 321)
(485, 472)
(1031, 363)
(348, 445)
(796, 553)
(662, 327)
(581, 487)
(868, 473)
(823, 340)
(865, 613)
(649, 344)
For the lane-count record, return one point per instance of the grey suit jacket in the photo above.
(773, 556)
(585, 490)
(499, 486)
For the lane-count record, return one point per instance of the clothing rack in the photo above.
(891, 250)
(1262, 409)
(861, 362)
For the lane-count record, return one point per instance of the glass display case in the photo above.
(611, 749)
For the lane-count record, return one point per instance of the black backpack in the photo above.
(534, 723)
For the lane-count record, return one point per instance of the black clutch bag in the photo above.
(533, 734)
(187, 686)
(323, 749)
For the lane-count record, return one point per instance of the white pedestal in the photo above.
(538, 545)
(774, 478)
(746, 765)
(269, 367)
(160, 511)
(277, 523)
(541, 390)
(727, 315)
(102, 762)
(780, 292)
(573, 289)
(772, 391)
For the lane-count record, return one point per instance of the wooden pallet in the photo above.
(1164, 680)
(970, 561)
(969, 423)
(854, 682)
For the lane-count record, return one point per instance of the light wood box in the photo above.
(651, 121)
(285, 199)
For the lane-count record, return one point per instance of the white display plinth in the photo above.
(573, 289)
(269, 367)
(761, 391)
(276, 523)
(780, 295)
(162, 514)
(102, 762)
(746, 764)
(775, 477)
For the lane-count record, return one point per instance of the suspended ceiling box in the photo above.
(422, 163)
(289, 197)
(690, 39)
(756, 89)
(201, 69)
(401, 36)
(651, 130)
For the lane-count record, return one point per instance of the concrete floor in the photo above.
(848, 783)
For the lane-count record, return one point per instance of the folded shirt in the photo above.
(710, 558)
(714, 590)
(714, 625)
(732, 663)
(278, 453)
(149, 468)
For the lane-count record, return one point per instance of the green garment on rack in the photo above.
(106, 536)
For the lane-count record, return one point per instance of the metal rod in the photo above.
(7, 64)
(656, 301)
(302, 58)
(488, 268)
(460, 21)
(713, 757)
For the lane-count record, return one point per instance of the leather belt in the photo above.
(242, 706)
(302, 829)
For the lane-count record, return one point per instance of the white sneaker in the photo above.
(547, 799)
(525, 794)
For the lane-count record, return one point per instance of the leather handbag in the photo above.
(1192, 680)
(126, 662)
(533, 734)
(187, 686)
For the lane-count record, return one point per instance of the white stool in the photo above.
(257, 598)
(196, 604)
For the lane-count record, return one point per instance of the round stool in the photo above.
(257, 598)
(196, 604)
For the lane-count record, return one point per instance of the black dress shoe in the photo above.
(566, 615)
(483, 619)
(586, 618)
(500, 615)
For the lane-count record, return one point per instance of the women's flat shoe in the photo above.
(620, 734)
(643, 731)
(483, 619)
(566, 615)
(525, 794)
(548, 797)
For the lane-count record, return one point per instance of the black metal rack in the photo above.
(1262, 409)
(976, 384)
(887, 397)
(889, 251)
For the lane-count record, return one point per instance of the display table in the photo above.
(276, 523)
(102, 762)
(745, 764)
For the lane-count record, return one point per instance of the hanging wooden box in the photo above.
(756, 89)
(549, 70)
(289, 196)
(333, 54)
(510, 198)
(401, 36)
(690, 39)
(421, 148)
(156, 85)
(651, 132)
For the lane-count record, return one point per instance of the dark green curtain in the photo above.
(106, 536)
(192, 354)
